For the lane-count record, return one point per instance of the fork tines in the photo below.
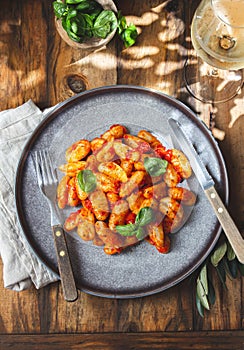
(44, 168)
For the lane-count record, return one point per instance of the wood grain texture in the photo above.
(35, 63)
(128, 341)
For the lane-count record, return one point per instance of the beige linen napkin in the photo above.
(21, 267)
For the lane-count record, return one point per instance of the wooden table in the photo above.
(36, 64)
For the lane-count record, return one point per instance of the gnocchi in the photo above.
(110, 180)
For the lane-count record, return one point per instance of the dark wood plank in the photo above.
(128, 341)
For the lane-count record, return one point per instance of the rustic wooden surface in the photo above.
(36, 64)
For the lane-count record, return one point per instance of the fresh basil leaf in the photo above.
(87, 180)
(155, 166)
(73, 2)
(81, 25)
(72, 35)
(104, 24)
(60, 9)
(85, 24)
(64, 25)
(71, 13)
(122, 25)
(129, 35)
(144, 216)
(67, 26)
(127, 230)
(140, 233)
(100, 22)
(88, 6)
(94, 14)
(84, 5)
(74, 27)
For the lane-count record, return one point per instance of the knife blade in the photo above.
(207, 183)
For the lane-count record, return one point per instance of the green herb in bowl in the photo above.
(91, 23)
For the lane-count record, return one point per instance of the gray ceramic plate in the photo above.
(140, 270)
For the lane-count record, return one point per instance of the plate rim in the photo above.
(54, 112)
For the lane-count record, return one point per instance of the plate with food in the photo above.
(136, 220)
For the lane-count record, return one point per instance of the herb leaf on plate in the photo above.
(143, 218)
(87, 180)
(155, 166)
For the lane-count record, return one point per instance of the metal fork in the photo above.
(48, 182)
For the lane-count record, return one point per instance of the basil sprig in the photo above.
(128, 33)
(155, 166)
(83, 19)
(87, 180)
(143, 218)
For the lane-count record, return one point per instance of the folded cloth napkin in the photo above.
(21, 267)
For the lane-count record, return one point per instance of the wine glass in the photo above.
(214, 73)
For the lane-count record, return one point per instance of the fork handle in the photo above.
(64, 264)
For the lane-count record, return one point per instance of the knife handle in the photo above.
(64, 264)
(228, 225)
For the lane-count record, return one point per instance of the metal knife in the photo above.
(207, 184)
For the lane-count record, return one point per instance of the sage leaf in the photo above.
(230, 252)
(87, 180)
(202, 294)
(218, 254)
(199, 306)
(204, 278)
(155, 166)
(144, 216)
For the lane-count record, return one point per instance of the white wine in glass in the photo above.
(217, 33)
